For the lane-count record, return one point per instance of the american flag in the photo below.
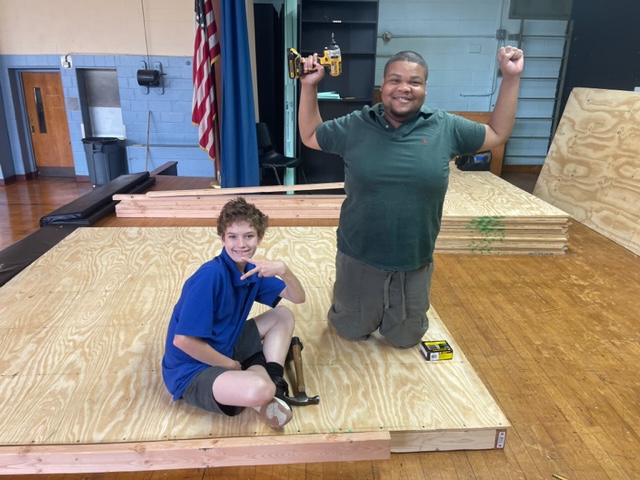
(206, 51)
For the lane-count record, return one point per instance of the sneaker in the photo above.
(276, 413)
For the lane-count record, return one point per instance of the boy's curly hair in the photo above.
(239, 210)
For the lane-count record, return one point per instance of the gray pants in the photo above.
(366, 299)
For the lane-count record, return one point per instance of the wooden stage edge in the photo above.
(195, 453)
(237, 451)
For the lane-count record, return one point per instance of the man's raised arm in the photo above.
(308, 112)
(500, 124)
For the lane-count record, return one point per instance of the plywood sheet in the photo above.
(592, 170)
(481, 194)
(82, 336)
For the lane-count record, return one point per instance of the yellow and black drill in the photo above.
(332, 57)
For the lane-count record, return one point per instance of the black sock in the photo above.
(255, 359)
(275, 370)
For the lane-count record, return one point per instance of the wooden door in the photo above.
(47, 120)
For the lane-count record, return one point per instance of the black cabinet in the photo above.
(353, 24)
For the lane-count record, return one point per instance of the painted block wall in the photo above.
(119, 35)
(172, 136)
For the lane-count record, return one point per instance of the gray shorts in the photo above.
(366, 299)
(199, 391)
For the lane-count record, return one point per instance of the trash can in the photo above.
(106, 159)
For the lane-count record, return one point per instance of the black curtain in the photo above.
(270, 53)
(605, 46)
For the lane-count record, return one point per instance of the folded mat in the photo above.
(89, 208)
(55, 226)
(21, 254)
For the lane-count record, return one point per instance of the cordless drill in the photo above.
(331, 57)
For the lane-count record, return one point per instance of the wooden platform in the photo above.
(82, 335)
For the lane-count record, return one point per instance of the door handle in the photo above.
(33, 130)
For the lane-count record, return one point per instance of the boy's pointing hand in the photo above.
(264, 268)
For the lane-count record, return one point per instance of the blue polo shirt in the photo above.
(213, 306)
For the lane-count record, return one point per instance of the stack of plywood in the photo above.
(482, 212)
(592, 170)
(485, 214)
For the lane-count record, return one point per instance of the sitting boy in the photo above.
(214, 357)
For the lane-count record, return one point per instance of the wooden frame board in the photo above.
(82, 336)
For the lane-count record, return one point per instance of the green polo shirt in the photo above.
(395, 181)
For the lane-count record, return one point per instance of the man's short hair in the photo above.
(408, 56)
(239, 210)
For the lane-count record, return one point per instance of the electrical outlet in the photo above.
(501, 34)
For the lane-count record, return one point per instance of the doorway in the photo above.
(47, 124)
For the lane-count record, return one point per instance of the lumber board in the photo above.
(196, 453)
(279, 200)
(592, 169)
(530, 231)
(514, 250)
(244, 190)
(214, 213)
(425, 441)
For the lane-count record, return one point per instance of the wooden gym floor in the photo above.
(555, 341)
